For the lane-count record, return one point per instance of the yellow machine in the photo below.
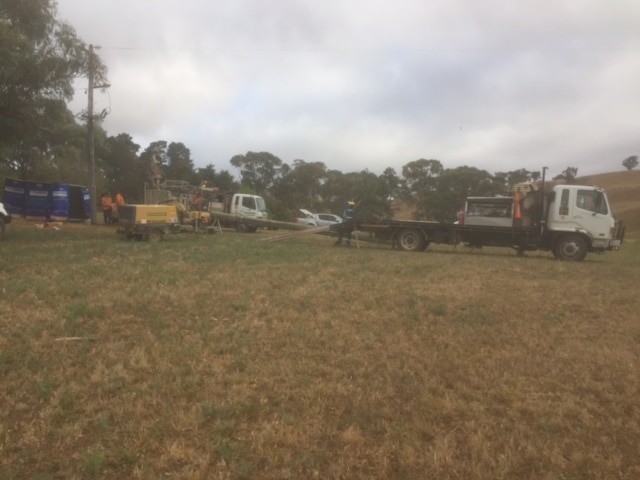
(148, 222)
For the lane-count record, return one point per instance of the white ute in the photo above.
(318, 219)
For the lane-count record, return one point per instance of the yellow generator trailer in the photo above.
(148, 222)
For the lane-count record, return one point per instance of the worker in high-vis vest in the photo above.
(107, 208)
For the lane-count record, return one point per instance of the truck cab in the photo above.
(579, 220)
(246, 205)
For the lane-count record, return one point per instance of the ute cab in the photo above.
(579, 220)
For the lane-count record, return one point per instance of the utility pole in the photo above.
(91, 72)
(90, 145)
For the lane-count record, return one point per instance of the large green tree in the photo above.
(300, 186)
(179, 163)
(155, 154)
(51, 154)
(222, 179)
(630, 162)
(39, 59)
(421, 179)
(514, 177)
(258, 170)
(569, 174)
(123, 170)
(455, 186)
(392, 185)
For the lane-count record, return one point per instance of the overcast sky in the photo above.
(370, 84)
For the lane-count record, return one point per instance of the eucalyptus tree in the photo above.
(39, 59)
(258, 170)
(122, 168)
(301, 185)
(568, 174)
(455, 185)
(630, 162)
(212, 178)
(51, 154)
(336, 190)
(421, 179)
(179, 163)
(392, 185)
(365, 188)
(155, 157)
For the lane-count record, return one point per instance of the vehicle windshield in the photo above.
(260, 205)
(593, 201)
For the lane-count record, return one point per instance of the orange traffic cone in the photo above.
(517, 213)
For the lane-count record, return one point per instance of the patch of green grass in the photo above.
(45, 388)
(93, 463)
(474, 314)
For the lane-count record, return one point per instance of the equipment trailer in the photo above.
(570, 222)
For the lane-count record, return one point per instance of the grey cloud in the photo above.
(371, 84)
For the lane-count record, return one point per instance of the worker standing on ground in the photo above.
(107, 208)
(119, 202)
(348, 217)
(196, 202)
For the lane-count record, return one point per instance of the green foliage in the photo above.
(454, 186)
(514, 177)
(258, 170)
(123, 169)
(302, 184)
(222, 180)
(40, 57)
(421, 177)
(630, 162)
(93, 462)
(180, 164)
(568, 174)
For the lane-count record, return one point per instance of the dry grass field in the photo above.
(224, 357)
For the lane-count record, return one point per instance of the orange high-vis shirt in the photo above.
(119, 201)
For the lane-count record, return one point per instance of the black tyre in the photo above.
(1, 228)
(411, 240)
(572, 248)
(241, 228)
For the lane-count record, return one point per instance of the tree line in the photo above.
(41, 140)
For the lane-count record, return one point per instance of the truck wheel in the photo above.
(155, 236)
(242, 228)
(570, 247)
(411, 240)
